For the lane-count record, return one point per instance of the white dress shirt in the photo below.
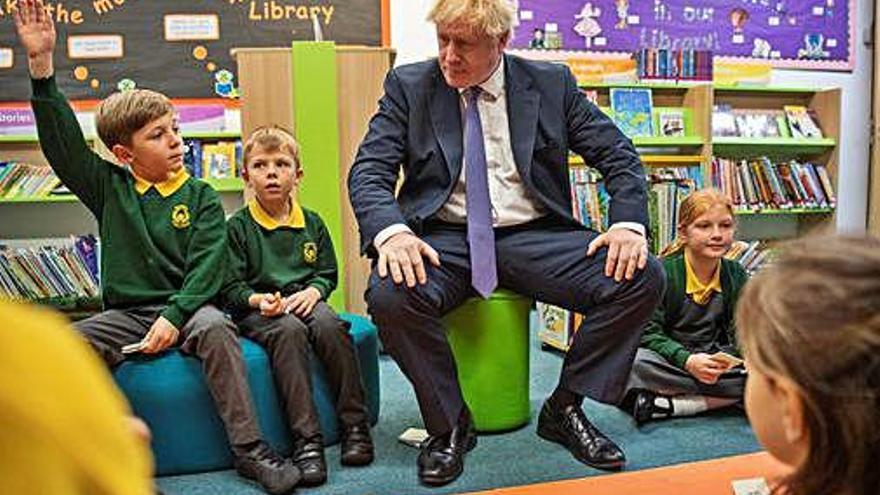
(512, 203)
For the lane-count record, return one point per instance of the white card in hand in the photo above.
(751, 486)
(136, 347)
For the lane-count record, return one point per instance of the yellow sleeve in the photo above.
(65, 425)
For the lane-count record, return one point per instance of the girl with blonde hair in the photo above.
(688, 360)
(810, 330)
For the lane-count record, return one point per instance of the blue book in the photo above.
(631, 108)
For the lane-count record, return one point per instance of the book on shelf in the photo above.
(19, 179)
(759, 123)
(800, 123)
(752, 255)
(758, 184)
(670, 122)
(214, 159)
(723, 121)
(631, 108)
(64, 269)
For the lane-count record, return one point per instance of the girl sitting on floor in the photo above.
(810, 330)
(688, 361)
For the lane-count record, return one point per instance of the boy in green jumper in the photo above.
(164, 242)
(281, 270)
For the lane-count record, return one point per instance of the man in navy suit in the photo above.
(483, 140)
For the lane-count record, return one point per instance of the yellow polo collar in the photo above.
(296, 220)
(166, 188)
(696, 289)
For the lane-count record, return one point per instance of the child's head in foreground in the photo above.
(810, 330)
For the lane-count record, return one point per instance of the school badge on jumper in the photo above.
(180, 216)
(310, 252)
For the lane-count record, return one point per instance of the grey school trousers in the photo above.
(209, 336)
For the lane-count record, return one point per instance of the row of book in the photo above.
(752, 255)
(68, 269)
(19, 179)
(756, 184)
(667, 188)
(793, 121)
(213, 160)
(674, 65)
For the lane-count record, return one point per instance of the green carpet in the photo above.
(508, 459)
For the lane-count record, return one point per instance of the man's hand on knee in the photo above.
(403, 256)
(627, 251)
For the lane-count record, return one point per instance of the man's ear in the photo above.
(122, 153)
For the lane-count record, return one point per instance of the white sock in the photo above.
(687, 405)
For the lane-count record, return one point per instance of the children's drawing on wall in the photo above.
(537, 41)
(768, 30)
(587, 25)
(814, 47)
(738, 19)
(762, 48)
(622, 13)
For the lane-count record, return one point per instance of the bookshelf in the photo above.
(698, 147)
(47, 219)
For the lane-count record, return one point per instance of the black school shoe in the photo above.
(357, 446)
(569, 427)
(260, 463)
(309, 458)
(645, 407)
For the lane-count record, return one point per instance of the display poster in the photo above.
(805, 34)
(181, 48)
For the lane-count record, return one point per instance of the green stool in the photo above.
(490, 342)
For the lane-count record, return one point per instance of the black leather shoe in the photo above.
(357, 446)
(309, 458)
(276, 475)
(570, 428)
(441, 460)
(645, 407)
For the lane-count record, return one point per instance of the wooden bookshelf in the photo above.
(699, 146)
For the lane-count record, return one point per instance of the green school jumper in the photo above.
(161, 244)
(266, 256)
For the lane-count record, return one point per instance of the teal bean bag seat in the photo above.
(169, 393)
(490, 342)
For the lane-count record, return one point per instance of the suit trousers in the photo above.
(544, 260)
(287, 340)
(209, 336)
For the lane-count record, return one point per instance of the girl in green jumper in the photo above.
(689, 361)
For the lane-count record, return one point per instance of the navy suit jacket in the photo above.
(419, 127)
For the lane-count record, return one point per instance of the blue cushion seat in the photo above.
(170, 394)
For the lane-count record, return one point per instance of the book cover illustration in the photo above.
(723, 121)
(632, 111)
(670, 122)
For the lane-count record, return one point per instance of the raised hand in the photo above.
(36, 32)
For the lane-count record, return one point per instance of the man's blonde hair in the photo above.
(272, 138)
(122, 114)
(492, 17)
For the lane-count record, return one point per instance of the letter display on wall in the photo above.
(805, 34)
(181, 48)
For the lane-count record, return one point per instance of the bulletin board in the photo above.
(803, 34)
(181, 48)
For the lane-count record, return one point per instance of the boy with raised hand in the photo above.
(281, 270)
(164, 241)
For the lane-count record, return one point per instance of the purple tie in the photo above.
(481, 237)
